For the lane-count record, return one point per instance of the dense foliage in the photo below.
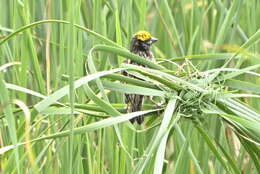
(61, 90)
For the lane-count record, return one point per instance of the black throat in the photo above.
(139, 46)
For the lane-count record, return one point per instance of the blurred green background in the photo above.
(48, 44)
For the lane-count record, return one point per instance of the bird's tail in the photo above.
(139, 119)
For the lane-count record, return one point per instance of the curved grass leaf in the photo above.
(242, 85)
(126, 54)
(131, 89)
(65, 90)
(158, 136)
(22, 29)
(97, 125)
(83, 129)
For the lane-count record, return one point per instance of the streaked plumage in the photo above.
(140, 45)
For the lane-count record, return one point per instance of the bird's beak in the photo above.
(153, 40)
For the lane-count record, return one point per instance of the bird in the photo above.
(141, 43)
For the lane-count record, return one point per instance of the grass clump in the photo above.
(61, 90)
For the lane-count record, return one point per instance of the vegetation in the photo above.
(61, 90)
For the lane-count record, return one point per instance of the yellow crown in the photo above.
(143, 35)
